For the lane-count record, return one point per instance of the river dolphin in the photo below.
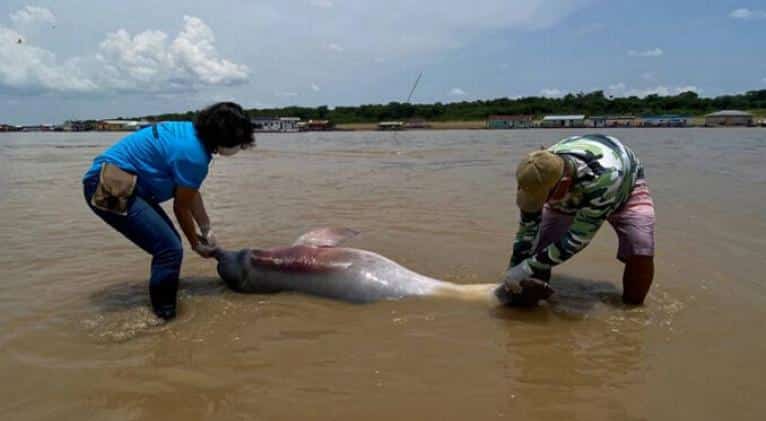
(315, 265)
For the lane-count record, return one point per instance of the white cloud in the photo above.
(30, 15)
(747, 14)
(401, 28)
(551, 93)
(146, 62)
(324, 4)
(622, 90)
(656, 52)
(315, 87)
(763, 80)
(26, 68)
(617, 87)
(456, 92)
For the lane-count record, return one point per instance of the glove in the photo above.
(515, 275)
(519, 288)
(531, 292)
(207, 236)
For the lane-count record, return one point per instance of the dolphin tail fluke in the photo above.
(325, 237)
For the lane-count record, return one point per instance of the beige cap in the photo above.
(536, 176)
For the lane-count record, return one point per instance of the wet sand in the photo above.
(78, 341)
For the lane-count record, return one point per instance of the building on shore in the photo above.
(276, 124)
(729, 118)
(390, 125)
(266, 124)
(318, 125)
(417, 123)
(78, 125)
(609, 121)
(667, 120)
(9, 128)
(37, 128)
(563, 121)
(289, 124)
(121, 125)
(509, 121)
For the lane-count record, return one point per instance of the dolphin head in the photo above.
(233, 267)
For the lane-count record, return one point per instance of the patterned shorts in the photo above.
(634, 224)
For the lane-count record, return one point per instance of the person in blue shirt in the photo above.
(169, 160)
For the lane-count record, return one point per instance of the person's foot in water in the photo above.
(166, 312)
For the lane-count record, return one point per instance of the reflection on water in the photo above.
(79, 340)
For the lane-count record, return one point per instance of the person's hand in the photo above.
(531, 292)
(514, 276)
(208, 236)
(519, 288)
(205, 251)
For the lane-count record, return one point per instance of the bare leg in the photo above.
(637, 279)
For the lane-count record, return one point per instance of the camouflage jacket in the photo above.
(605, 173)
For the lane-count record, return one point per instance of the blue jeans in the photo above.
(149, 227)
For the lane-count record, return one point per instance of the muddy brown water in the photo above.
(77, 340)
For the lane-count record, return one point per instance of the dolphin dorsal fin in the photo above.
(325, 237)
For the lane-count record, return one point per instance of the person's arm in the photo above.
(182, 207)
(203, 221)
(599, 197)
(199, 213)
(526, 237)
(586, 223)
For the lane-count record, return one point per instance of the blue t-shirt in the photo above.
(163, 156)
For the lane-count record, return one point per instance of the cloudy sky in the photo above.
(69, 59)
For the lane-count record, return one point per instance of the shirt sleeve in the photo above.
(600, 200)
(187, 173)
(526, 237)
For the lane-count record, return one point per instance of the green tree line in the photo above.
(593, 103)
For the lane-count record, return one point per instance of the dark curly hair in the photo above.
(224, 124)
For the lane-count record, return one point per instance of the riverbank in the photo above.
(693, 122)
(434, 125)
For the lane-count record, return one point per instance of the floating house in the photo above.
(78, 125)
(729, 118)
(509, 121)
(390, 125)
(613, 121)
(266, 124)
(276, 124)
(417, 123)
(9, 128)
(563, 121)
(289, 124)
(120, 125)
(317, 125)
(668, 120)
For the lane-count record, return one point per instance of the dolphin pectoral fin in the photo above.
(325, 237)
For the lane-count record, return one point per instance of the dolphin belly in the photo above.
(341, 273)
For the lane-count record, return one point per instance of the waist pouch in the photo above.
(115, 187)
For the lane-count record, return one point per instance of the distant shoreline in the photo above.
(433, 126)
